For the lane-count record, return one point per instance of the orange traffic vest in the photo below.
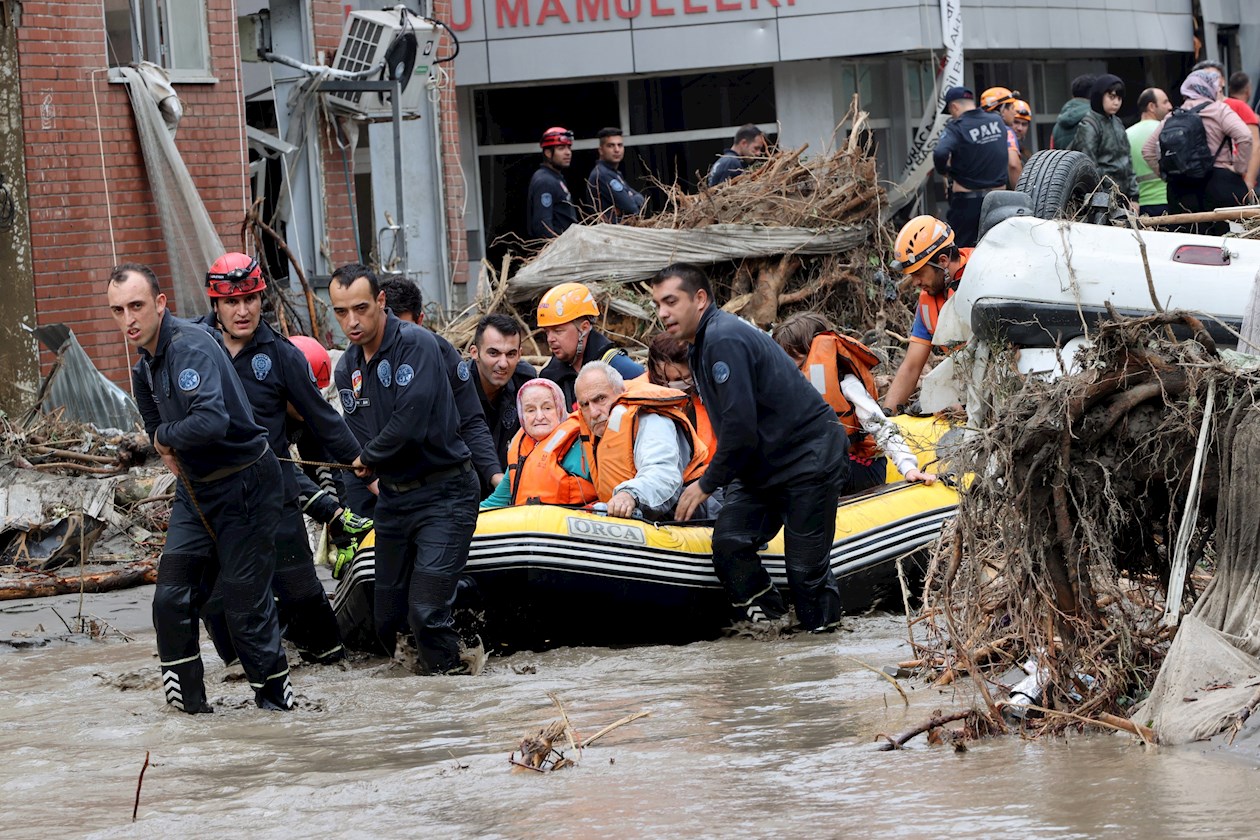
(536, 474)
(612, 457)
(930, 305)
(830, 357)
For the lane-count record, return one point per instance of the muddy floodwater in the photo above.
(745, 739)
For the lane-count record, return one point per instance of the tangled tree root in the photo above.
(1058, 563)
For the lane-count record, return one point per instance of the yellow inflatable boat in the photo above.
(546, 575)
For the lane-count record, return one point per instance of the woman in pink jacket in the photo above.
(1229, 140)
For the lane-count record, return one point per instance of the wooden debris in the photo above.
(538, 752)
(134, 574)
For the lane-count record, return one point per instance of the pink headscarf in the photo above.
(1202, 84)
(556, 394)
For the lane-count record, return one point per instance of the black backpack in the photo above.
(1183, 146)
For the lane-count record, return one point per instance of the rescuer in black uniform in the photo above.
(403, 299)
(277, 379)
(550, 209)
(225, 507)
(612, 198)
(780, 454)
(398, 402)
(499, 372)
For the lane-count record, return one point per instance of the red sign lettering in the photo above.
(690, 8)
(552, 8)
(726, 6)
(657, 11)
(516, 12)
(461, 25)
(592, 10)
(632, 12)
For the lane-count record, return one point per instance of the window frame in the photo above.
(153, 44)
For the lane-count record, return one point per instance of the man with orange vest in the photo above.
(840, 368)
(925, 253)
(669, 367)
(640, 445)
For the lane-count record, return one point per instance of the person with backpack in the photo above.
(1192, 150)
(1101, 134)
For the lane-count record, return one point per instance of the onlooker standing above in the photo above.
(551, 210)
(1196, 186)
(1153, 106)
(1023, 121)
(1001, 101)
(1072, 112)
(1101, 135)
(1239, 96)
(610, 195)
(972, 153)
(750, 142)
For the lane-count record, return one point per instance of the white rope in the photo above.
(100, 141)
(240, 124)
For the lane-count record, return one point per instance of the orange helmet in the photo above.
(317, 356)
(556, 136)
(564, 303)
(234, 274)
(922, 238)
(1023, 113)
(995, 97)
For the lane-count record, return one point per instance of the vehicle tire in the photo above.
(1059, 181)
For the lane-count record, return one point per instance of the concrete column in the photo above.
(805, 104)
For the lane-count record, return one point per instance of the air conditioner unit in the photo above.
(370, 39)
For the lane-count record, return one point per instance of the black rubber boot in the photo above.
(184, 685)
(275, 695)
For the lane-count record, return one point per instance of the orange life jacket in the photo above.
(535, 471)
(612, 456)
(830, 357)
(703, 427)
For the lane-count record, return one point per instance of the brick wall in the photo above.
(61, 46)
(328, 19)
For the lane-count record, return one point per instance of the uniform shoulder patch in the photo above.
(617, 185)
(546, 199)
(347, 400)
(385, 373)
(464, 370)
(404, 375)
(261, 365)
(189, 379)
(721, 372)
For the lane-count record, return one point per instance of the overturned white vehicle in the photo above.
(1042, 284)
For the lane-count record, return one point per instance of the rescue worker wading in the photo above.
(781, 455)
(403, 299)
(924, 252)
(551, 210)
(226, 506)
(398, 401)
(567, 315)
(277, 379)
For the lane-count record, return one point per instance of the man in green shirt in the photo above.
(1153, 105)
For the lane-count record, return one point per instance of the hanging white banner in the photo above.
(919, 161)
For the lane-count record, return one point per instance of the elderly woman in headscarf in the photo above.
(1101, 135)
(1228, 140)
(544, 467)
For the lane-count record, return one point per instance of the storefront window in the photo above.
(169, 33)
(707, 100)
(521, 114)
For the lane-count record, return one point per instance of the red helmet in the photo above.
(556, 136)
(234, 274)
(317, 356)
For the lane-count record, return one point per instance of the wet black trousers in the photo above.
(242, 510)
(422, 540)
(806, 510)
(306, 615)
(964, 217)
